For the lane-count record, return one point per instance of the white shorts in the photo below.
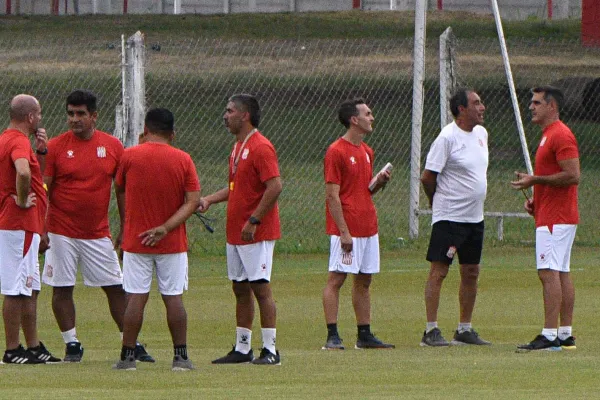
(250, 262)
(171, 272)
(364, 257)
(97, 258)
(553, 250)
(19, 273)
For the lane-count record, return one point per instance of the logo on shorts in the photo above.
(49, 271)
(70, 154)
(101, 151)
(118, 274)
(542, 256)
(347, 258)
(451, 252)
(263, 267)
(29, 282)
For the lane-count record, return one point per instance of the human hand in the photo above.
(41, 140)
(29, 202)
(152, 236)
(346, 242)
(248, 232)
(203, 206)
(523, 181)
(529, 206)
(44, 243)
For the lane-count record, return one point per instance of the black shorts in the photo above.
(449, 238)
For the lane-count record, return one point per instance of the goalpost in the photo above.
(447, 85)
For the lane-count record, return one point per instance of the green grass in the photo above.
(332, 25)
(508, 312)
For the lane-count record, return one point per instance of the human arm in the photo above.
(44, 239)
(23, 198)
(217, 197)
(120, 196)
(332, 196)
(268, 200)
(41, 147)
(429, 182)
(569, 175)
(152, 236)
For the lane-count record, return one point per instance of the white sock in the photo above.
(463, 327)
(431, 326)
(269, 339)
(550, 333)
(564, 332)
(243, 340)
(70, 336)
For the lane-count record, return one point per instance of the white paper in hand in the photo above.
(387, 167)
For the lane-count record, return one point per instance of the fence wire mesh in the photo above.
(300, 85)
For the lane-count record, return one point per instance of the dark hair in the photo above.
(348, 110)
(82, 98)
(160, 121)
(247, 103)
(459, 98)
(551, 93)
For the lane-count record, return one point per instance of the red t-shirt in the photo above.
(156, 177)
(82, 172)
(351, 167)
(257, 164)
(14, 145)
(552, 204)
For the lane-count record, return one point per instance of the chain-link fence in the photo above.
(300, 84)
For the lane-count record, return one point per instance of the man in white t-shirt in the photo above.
(455, 182)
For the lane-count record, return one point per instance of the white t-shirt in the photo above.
(461, 159)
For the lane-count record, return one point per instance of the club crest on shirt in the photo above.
(70, 154)
(543, 141)
(352, 160)
(101, 151)
(245, 154)
(368, 158)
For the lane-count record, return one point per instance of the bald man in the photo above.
(22, 211)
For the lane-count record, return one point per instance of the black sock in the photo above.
(127, 352)
(181, 351)
(36, 348)
(364, 331)
(332, 330)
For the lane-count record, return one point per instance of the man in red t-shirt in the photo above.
(554, 207)
(351, 222)
(22, 210)
(154, 235)
(80, 167)
(252, 228)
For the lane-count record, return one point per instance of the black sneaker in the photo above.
(73, 352)
(44, 355)
(371, 342)
(568, 343)
(433, 338)
(20, 356)
(540, 342)
(468, 337)
(128, 364)
(235, 357)
(142, 355)
(267, 358)
(334, 342)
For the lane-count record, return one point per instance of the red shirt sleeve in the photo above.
(21, 149)
(333, 167)
(566, 148)
(120, 175)
(192, 183)
(266, 164)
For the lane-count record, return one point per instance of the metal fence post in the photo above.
(447, 75)
(134, 96)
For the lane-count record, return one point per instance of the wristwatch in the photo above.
(42, 152)
(254, 221)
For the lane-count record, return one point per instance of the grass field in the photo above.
(508, 312)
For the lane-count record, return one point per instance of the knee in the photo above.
(470, 273)
(438, 273)
(242, 293)
(62, 294)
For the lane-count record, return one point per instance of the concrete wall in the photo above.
(510, 9)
